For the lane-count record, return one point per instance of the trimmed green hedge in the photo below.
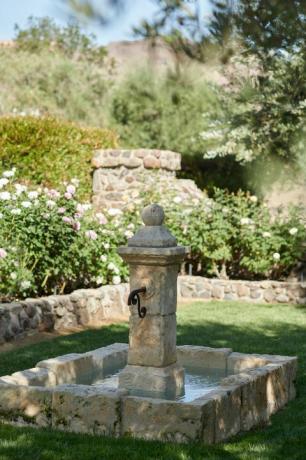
(50, 151)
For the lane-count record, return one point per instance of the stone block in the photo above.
(243, 290)
(256, 294)
(151, 162)
(152, 340)
(33, 404)
(197, 356)
(226, 404)
(167, 382)
(107, 358)
(86, 409)
(35, 377)
(240, 361)
(269, 295)
(282, 298)
(160, 282)
(71, 368)
(161, 420)
(230, 296)
(217, 292)
(254, 409)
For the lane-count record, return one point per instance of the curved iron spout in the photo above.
(134, 299)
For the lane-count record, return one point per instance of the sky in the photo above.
(17, 11)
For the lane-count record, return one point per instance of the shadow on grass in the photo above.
(284, 438)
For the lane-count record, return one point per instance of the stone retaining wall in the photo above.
(120, 176)
(83, 307)
(250, 291)
(87, 307)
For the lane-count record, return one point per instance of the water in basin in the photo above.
(198, 382)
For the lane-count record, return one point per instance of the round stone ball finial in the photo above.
(153, 215)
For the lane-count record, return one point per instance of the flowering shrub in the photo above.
(235, 235)
(51, 243)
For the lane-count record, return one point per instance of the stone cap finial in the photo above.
(153, 215)
(154, 234)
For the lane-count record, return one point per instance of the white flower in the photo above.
(46, 215)
(293, 231)
(25, 284)
(128, 234)
(177, 199)
(20, 188)
(75, 181)
(106, 245)
(5, 196)
(3, 253)
(254, 198)
(91, 234)
(33, 195)
(3, 182)
(116, 279)
(50, 203)
(68, 196)
(114, 211)
(245, 221)
(61, 210)
(266, 234)
(9, 173)
(276, 256)
(1, 215)
(16, 211)
(13, 275)
(103, 258)
(26, 204)
(131, 226)
(99, 280)
(70, 189)
(112, 267)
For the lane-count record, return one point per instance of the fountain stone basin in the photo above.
(225, 393)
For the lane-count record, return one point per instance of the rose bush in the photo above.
(235, 235)
(52, 243)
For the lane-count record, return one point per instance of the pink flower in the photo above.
(68, 196)
(78, 215)
(101, 218)
(91, 234)
(67, 220)
(52, 193)
(3, 253)
(76, 226)
(61, 210)
(70, 189)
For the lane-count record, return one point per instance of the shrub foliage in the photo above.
(49, 151)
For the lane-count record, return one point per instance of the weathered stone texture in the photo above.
(120, 177)
(241, 402)
(86, 409)
(152, 340)
(252, 291)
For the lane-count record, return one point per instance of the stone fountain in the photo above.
(151, 388)
(154, 260)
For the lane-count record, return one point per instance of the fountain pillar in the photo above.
(154, 260)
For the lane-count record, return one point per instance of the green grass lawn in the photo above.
(278, 329)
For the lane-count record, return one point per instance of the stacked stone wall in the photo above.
(250, 291)
(86, 307)
(120, 176)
